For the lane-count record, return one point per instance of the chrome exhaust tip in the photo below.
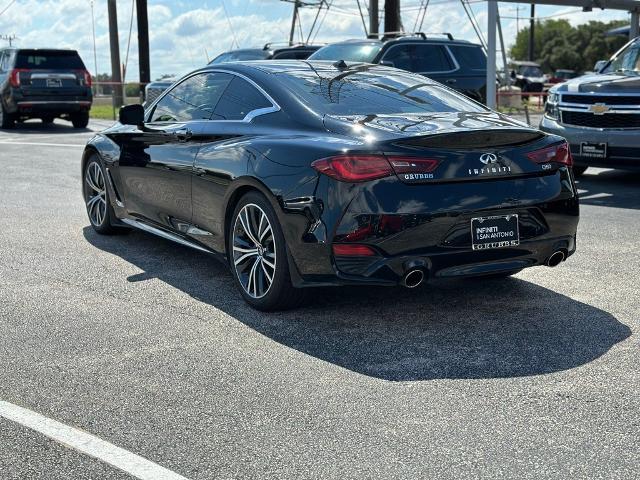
(413, 278)
(555, 259)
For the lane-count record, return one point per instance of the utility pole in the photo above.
(296, 5)
(114, 44)
(373, 19)
(392, 16)
(532, 25)
(143, 46)
(8, 38)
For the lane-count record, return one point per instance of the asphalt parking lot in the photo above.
(146, 345)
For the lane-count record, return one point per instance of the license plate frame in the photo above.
(54, 83)
(500, 231)
(594, 149)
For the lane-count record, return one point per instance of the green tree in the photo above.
(557, 44)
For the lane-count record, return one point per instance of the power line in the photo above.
(7, 7)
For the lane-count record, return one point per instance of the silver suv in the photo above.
(600, 114)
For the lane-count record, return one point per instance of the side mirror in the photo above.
(388, 63)
(131, 115)
(600, 64)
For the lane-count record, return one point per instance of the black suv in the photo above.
(43, 83)
(268, 52)
(457, 63)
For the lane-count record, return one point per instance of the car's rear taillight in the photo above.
(87, 78)
(352, 250)
(354, 168)
(363, 168)
(14, 76)
(555, 154)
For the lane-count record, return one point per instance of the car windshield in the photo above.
(49, 60)
(361, 92)
(530, 71)
(628, 61)
(356, 52)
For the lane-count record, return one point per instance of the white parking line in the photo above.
(88, 444)
(43, 144)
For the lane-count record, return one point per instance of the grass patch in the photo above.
(102, 112)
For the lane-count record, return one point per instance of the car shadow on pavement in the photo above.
(36, 127)
(610, 188)
(457, 329)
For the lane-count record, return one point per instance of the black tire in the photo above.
(280, 293)
(578, 170)
(99, 210)
(47, 120)
(80, 120)
(7, 120)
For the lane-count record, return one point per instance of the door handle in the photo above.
(452, 80)
(183, 134)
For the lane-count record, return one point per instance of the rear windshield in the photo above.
(359, 92)
(357, 52)
(49, 60)
(469, 56)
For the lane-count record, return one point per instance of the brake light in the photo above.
(354, 168)
(14, 76)
(352, 250)
(363, 168)
(557, 154)
(87, 78)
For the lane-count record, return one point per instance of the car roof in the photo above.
(407, 39)
(324, 68)
(525, 63)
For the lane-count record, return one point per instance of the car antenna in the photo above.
(341, 65)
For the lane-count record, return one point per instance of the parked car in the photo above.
(527, 76)
(45, 84)
(562, 75)
(155, 88)
(268, 52)
(456, 63)
(278, 167)
(600, 114)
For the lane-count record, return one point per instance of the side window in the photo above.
(420, 58)
(469, 57)
(430, 58)
(400, 55)
(193, 99)
(239, 98)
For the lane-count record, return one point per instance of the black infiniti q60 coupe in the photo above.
(303, 174)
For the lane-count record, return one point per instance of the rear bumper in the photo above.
(623, 146)
(28, 105)
(430, 229)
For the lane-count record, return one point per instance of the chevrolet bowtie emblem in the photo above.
(599, 109)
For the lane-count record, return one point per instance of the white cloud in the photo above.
(184, 33)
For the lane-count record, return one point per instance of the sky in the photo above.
(184, 34)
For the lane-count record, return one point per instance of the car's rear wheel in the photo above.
(80, 120)
(258, 256)
(7, 120)
(96, 197)
(578, 171)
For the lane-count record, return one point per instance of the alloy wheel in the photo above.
(254, 250)
(95, 193)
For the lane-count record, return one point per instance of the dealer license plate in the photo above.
(593, 150)
(495, 232)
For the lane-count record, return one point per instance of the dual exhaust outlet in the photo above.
(415, 276)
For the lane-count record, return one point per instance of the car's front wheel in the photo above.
(258, 255)
(96, 197)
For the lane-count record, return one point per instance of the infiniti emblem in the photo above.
(488, 158)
